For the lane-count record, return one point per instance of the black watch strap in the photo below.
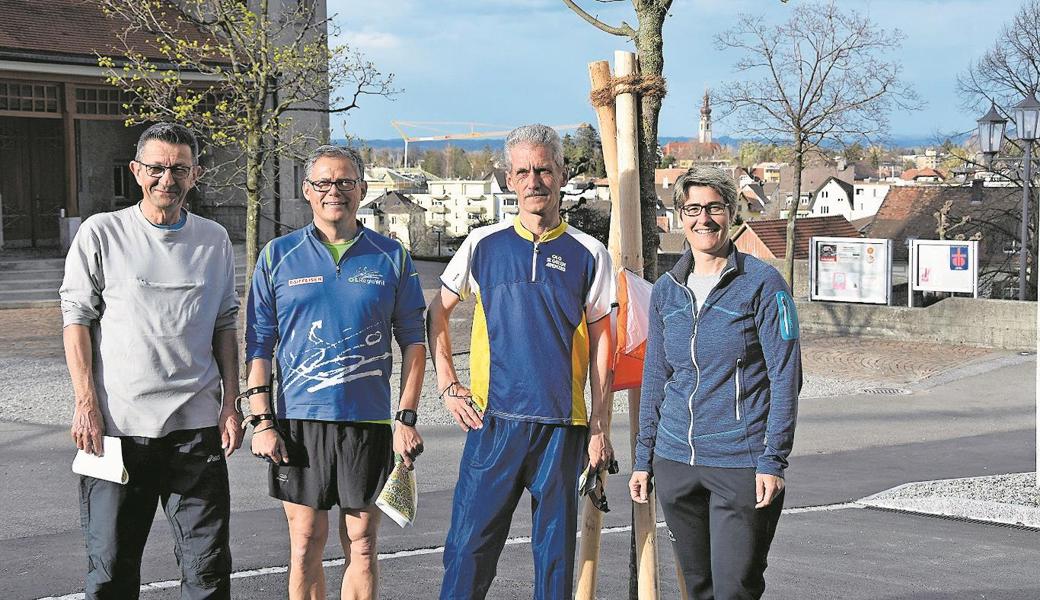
(407, 416)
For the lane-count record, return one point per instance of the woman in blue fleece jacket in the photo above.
(721, 378)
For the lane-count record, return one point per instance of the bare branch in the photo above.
(624, 30)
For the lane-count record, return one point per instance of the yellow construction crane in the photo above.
(473, 133)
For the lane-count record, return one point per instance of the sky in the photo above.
(510, 62)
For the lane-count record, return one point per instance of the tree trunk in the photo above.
(650, 48)
(792, 213)
(253, 165)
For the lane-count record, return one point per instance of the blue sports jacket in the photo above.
(332, 322)
(720, 387)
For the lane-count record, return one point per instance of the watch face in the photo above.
(408, 417)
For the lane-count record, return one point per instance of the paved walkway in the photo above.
(36, 332)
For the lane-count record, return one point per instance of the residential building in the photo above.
(459, 205)
(767, 239)
(867, 198)
(977, 211)
(833, 197)
(63, 147)
(504, 201)
(381, 180)
(922, 175)
(767, 172)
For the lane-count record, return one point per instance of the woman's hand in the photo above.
(639, 486)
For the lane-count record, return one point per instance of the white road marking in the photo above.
(338, 562)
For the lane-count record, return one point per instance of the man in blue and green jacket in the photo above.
(325, 303)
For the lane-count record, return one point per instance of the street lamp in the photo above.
(991, 139)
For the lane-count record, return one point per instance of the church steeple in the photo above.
(705, 127)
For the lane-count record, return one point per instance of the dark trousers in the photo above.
(499, 461)
(720, 539)
(186, 472)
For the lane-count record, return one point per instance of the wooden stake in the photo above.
(644, 515)
(592, 518)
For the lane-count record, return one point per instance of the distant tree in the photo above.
(668, 161)
(483, 162)
(593, 222)
(583, 153)
(1003, 76)
(875, 154)
(820, 76)
(854, 152)
(649, 42)
(239, 80)
(432, 161)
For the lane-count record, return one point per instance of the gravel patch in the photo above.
(1012, 499)
(37, 390)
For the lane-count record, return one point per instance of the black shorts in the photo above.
(333, 462)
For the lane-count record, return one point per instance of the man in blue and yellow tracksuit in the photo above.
(541, 326)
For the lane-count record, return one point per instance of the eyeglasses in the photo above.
(157, 171)
(715, 209)
(343, 185)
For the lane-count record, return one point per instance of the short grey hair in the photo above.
(704, 176)
(329, 150)
(171, 133)
(536, 135)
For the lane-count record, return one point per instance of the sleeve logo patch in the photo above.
(306, 280)
(788, 316)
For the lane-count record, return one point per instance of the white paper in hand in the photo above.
(400, 496)
(108, 467)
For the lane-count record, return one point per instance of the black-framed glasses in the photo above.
(715, 209)
(157, 171)
(343, 185)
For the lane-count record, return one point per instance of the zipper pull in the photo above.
(337, 271)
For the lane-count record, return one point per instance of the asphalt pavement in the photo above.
(826, 547)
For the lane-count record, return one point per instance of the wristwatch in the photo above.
(407, 417)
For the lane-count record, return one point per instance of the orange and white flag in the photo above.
(633, 296)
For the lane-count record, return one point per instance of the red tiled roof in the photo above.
(773, 233)
(670, 174)
(67, 28)
(909, 212)
(911, 174)
(690, 150)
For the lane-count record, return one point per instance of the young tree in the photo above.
(821, 75)
(237, 72)
(649, 42)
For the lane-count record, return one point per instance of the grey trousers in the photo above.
(719, 538)
(184, 471)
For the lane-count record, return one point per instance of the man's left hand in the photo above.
(600, 450)
(408, 443)
(767, 488)
(230, 424)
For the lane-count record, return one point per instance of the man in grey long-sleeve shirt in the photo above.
(149, 308)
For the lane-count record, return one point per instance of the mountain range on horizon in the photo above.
(469, 145)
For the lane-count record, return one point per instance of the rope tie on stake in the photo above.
(645, 85)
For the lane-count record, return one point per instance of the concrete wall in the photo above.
(993, 323)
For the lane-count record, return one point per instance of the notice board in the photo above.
(850, 270)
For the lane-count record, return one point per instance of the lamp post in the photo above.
(991, 137)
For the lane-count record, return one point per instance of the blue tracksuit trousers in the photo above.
(499, 461)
